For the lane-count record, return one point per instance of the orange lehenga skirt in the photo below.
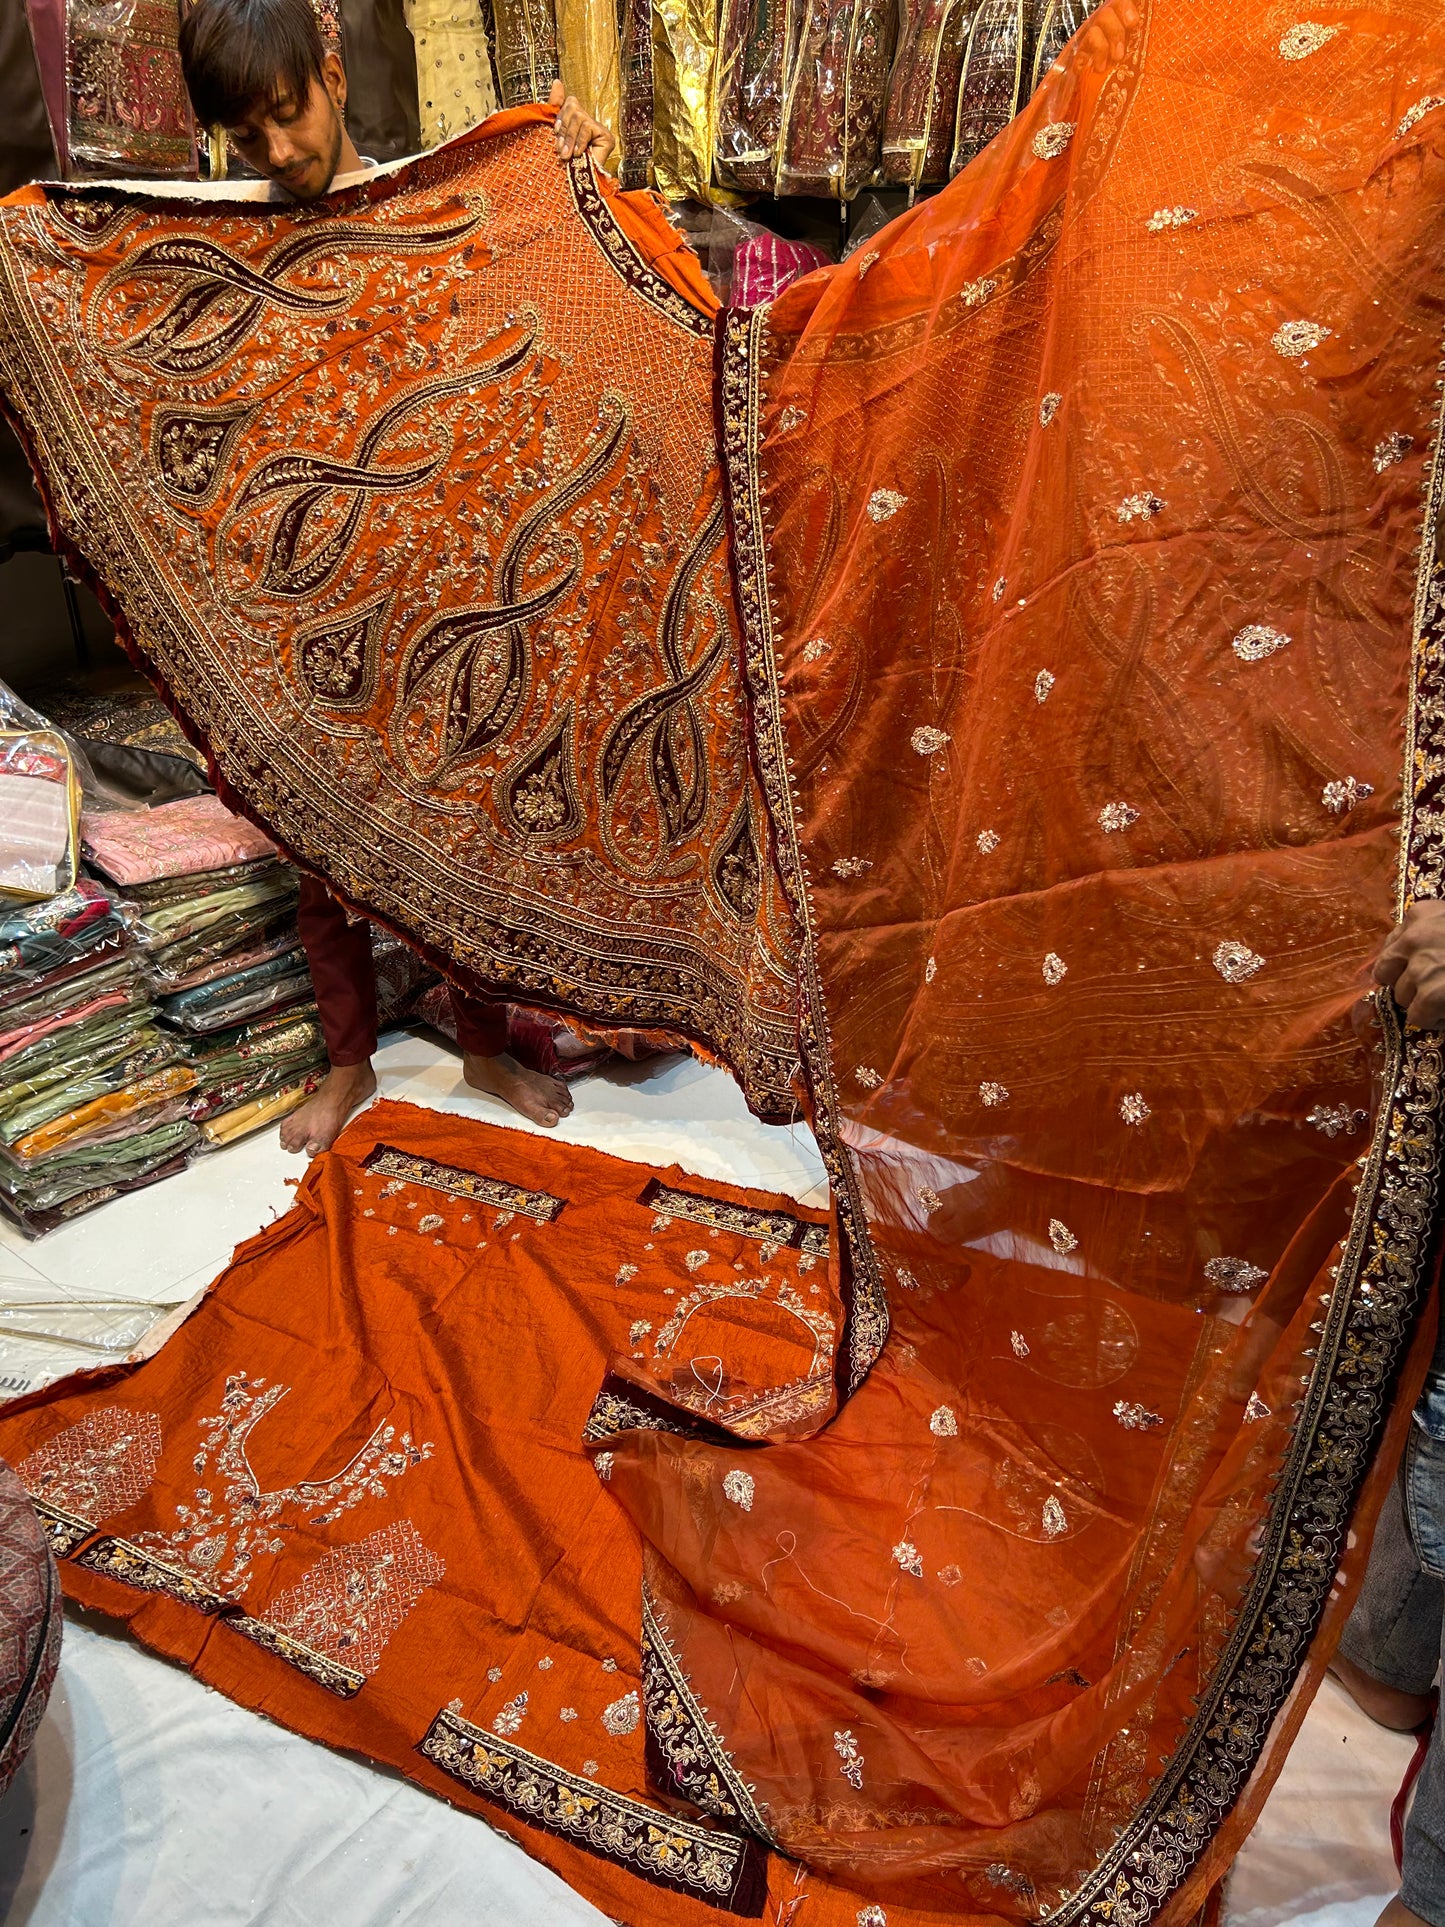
(969, 700)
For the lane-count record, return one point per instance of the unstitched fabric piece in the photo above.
(197, 833)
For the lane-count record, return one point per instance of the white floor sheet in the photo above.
(151, 1801)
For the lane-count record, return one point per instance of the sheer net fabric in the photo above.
(1077, 523)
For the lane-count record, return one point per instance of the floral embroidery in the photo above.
(1393, 448)
(1342, 796)
(1055, 1519)
(1020, 1344)
(987, 842)
(868, 1077)
(511, 1716)
(928, 741)
(494, 1673)
(999, 587)
(1049, 407)
(589, 1767)
(220, 1538)
(930, 970)
(1256, 1409)
(792, 417)
(335, 1623)
(1236, 962)
(625, 1273)
(1134, 1417)
(1117, 816)
(1257, 640)
(1051, 141)
(943, 1423)
(1414, 115)
(1334, 1118)
(739, 1488)
(973, 294)
(951, 1575)
(1143, 506)
(846, 1747)
(991, 1094)
(721, 1214)
(905, 1277)
(1043, 683)
(884, 503)
(433, 1221)
(929, 1198)
(638, 1329)
(1133, 1109)
(1294, 338)
(1305, 39)
(622, 1716)
(1164, 218)
(1055, 969)
(872, 1916)
(1061, 1238)
(602, 1465)
(1234, 1274)
(868, 260)
(814, 649)
(906, 1556)
(695, 1260)
(852, 866)
(567, 1714)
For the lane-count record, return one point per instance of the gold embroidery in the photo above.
(1236, 962)
(1342, 796)
(387, 1161)
(1117, 816)
(1294, 338)
(1257, 640)
(101, 1465)
(721, 1214)
(1299, 42)
(1050, 142)
(928, 741)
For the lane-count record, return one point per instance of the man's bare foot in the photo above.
(543, 1099)
(315, 1126)
(1397, 1914)
(1386, 1706)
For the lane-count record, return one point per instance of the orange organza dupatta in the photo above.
(1077, 522)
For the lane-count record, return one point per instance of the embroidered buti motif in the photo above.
(722, 1214)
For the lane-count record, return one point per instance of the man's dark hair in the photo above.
(242, 55)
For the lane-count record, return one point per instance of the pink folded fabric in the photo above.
(179, 839)
(28, 1034)
(765, 265)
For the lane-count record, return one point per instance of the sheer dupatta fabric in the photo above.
(1078, 535)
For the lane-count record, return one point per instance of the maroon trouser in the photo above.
(344, 979)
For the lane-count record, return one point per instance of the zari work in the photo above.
(126, 101)
(1086, 625)
(466, 616)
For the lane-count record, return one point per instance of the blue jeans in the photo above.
(1396, 1629)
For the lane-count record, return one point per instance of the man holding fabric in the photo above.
(259, 69)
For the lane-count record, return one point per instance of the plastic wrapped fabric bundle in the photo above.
(44, 943)
(127, 103)
(227, 1000)
(113, 987)
(39, 814)
(918, 131)
(141, 1052)
(754, 45)
(456, 88)
(995, 78)
(836, 99)
(589, 55)
(90, 1175)
(1055, 24)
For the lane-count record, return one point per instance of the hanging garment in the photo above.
(1087, 601)
(456, 88)
(127, 107)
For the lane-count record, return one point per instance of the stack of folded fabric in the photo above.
(214, 916)
(91, 1091)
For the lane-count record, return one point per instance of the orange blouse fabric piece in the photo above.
(1029, 804)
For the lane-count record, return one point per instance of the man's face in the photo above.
(297, 143)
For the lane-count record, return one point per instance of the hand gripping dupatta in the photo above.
(1077, 537)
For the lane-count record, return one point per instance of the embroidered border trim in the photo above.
(620, 252)
(740, 351)
(721, 1214)
(1380, 1284)
(719, 1869)
(621, 1406)
(685, 1751)
(387, 1162)
(63, 1529)
(119, 1559)
(341, 1680)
